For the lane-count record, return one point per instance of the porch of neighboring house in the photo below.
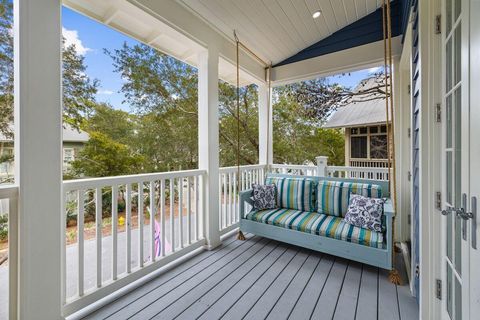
(179, 258)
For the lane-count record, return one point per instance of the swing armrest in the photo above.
(245, 197)
(389, 213)
(388, 208)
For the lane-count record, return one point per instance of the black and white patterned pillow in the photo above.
(264, 196)
(365, 212)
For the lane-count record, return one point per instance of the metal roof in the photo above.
(361, 113)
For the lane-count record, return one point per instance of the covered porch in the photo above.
(180, 257)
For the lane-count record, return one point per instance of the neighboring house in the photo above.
(365, 128)
(73, 142)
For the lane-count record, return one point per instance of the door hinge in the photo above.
(438, 24)
(417, 271)
(409, 219)
(409, 132)
(438, 289)
(409, 89)
(438, 200)
(409, 176)
(438, 112)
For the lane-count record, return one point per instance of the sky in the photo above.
(92, 37)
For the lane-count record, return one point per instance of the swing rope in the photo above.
(394, 276)
(268, 67)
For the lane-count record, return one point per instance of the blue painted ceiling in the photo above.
(366, 30)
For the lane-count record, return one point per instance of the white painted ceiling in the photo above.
(278, 29)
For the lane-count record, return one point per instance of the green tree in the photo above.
(103, 156)
(6, 68)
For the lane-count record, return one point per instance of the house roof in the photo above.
(361, 113)
(69, 135)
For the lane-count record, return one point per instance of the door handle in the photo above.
(474, 222)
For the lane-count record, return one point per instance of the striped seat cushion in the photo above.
(333, 197)
(319, 224)
(294, 193)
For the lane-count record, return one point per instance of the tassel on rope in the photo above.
(240, 236)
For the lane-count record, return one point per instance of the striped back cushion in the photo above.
(333, 197)
(294, 193)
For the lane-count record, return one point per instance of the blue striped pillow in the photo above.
(294, 193)
(333, 197)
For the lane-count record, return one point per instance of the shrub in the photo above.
(3, 227)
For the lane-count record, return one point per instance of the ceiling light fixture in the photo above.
(316, 14)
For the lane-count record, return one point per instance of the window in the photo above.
(358, 147)
(369, 142)
(68, 155)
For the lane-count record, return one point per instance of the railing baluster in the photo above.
(220, 199)
(225, 193)
(80, 227)
(197, 216)
(180, 210)
(152, 221)
(230, 199)
(114, 231)
(172, 213)
(162, 213)
(235, 209)
(128, 225)
(98, 233)
(189, 212)
(140, 223)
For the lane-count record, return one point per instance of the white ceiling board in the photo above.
(278, 29)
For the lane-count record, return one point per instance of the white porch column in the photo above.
(265, 126)
(208, 141)
(38, 143)
(322, 163)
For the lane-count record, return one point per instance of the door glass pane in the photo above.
(458, 8)
(458, 300)
(458, 244)
(458, 145)
(449, 177)
(449, 291)
(449, 236)
(449, 15)
(458, 55)
(448, 66)
(449, 121)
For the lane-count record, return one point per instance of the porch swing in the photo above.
(309, 225)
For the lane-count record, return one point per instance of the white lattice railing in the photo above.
(122, 228)
(228, 195)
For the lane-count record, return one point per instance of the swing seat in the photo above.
(322, 232)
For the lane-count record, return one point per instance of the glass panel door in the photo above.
(452, 157)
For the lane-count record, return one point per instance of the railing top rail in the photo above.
(8, 191)
(357, 169)
(242, 168)
(293, 166)
(70, 185)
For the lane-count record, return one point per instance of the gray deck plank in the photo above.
(325, 307)
(230, 274)
(349, 294)
(235, 284)
(368, 294)
(264, 305)
(202, 260)
(260, 279)
(249, 288)
(289, 298)
(387, 298)
(243, 305)
(155, 294)
(307, 301)
(148, 308)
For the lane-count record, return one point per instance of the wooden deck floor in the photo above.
(264, 279)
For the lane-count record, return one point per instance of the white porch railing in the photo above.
(155, 219)
(303, 170)
(358, 173)
(228, 180)
(10, 193)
